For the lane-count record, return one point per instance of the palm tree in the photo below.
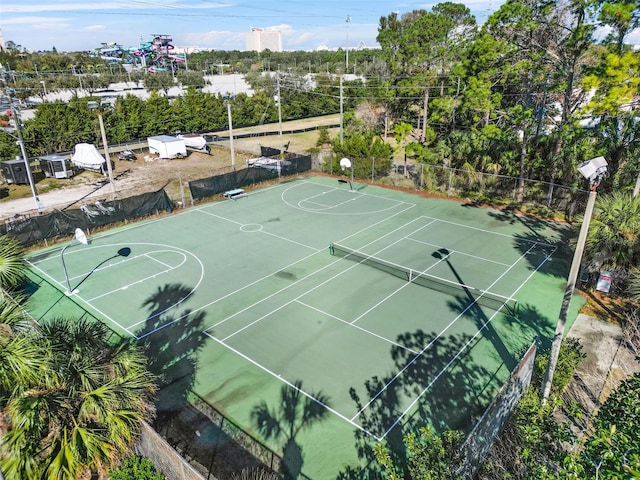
(613, 241)
(85, 409)
(12, 263)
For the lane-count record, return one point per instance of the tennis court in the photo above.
(384, 308)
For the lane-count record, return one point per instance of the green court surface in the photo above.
(239, 298)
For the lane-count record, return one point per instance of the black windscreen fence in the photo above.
(208, 187)
(34, 229)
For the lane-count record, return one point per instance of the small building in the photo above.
(14, 172)
(57, 166)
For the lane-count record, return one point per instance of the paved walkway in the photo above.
(608, 362)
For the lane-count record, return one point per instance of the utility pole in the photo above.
(16, 120)
(280, 115)
(341, 112)
(348, 19)
(233, 152)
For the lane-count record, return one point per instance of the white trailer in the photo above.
(167, 147)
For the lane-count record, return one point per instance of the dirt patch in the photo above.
(140, 176)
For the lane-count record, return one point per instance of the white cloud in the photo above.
(93, 28)
(110, 6)
(33, 20)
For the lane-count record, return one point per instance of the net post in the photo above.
(330, 248)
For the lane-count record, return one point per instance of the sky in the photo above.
(82, 25)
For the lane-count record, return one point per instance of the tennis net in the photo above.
(481, 297)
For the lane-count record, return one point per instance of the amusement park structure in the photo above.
(155, 55)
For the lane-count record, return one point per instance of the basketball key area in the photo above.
(380, 306)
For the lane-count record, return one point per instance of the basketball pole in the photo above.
(78, 238)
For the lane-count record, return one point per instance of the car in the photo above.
(127, 155)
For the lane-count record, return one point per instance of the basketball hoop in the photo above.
(80, 236)
(345, 163)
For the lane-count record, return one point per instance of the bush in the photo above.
(569, 360)
(136, 468)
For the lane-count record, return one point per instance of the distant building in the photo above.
(3, 47)
(259, 39)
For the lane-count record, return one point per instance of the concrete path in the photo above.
(608, 362)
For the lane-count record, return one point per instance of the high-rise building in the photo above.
(259, 39)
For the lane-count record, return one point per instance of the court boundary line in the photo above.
(168, 269)
(369, 332)
(468, 343)
(304, 278)
(458, 251)
(129, 329)
(437, 337)
(261, 231)
(395, 203)
(492, 232)
(284, 380)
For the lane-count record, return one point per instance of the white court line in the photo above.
(53, 280)
(284, 380)
(393, 203)
(301, 279)
(342, 272)
(433, 341)
(362, 194)
(329, 207)
(470, 340)
(403, 286)
(492, 232)
(458, 252)
(315, 203)
(171, 267)
(368, 332)
(262, 231)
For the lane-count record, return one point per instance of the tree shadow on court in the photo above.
(452, 389)
(452, 381)
(562, 243)
(295, 412)
(172, 339)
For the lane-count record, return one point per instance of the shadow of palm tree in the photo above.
(296, 412)
(561, 243)
(453, 387)
(172, 339)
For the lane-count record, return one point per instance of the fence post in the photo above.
(450, 180)
(373, 168)
(550, 195)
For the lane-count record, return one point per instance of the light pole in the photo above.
(593, 170)
(15, 113)
(96, 106)
(78, 237)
